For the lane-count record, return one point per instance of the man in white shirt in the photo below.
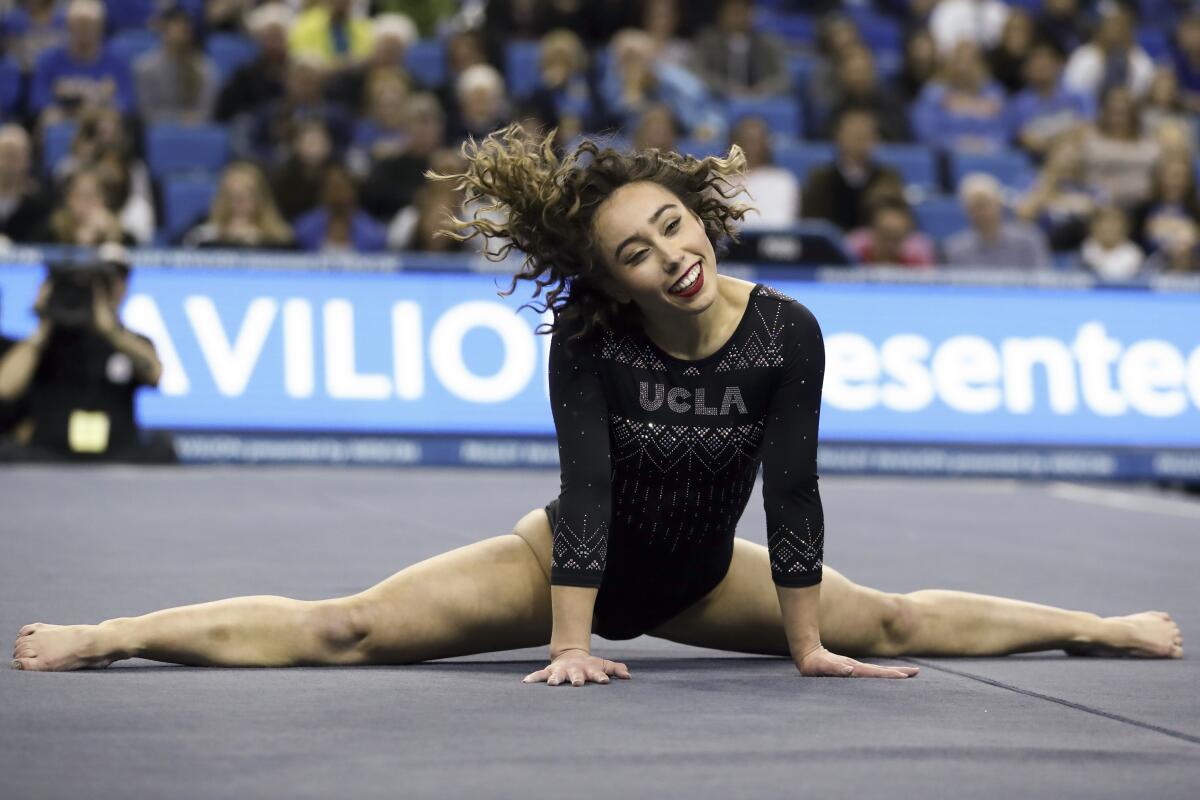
(1111, 57)
(978, 21)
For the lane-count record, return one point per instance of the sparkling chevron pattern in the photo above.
(691, 372)
(795, 552)
(763, 347)
(628, 351)
(641, 445)
(587, 550)
(767, 291)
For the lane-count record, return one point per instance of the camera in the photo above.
(72, 297)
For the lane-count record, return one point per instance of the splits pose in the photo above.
(670, 384)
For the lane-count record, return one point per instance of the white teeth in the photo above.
(685, 283)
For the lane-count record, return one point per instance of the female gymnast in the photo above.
(670, 383)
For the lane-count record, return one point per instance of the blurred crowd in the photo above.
(1026, 134)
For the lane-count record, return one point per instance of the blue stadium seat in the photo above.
(794, 28)
(56, 144)
(521, 72)
(801, 67)
(1155, 41)
(882, 34)
(782, 114)
(916, 163)
(800, 159)
(940, 216)
(230, 51)
(130, 45)
(10, 86)
(185, 202)
(1010, 167)
(427, 62)
(123, 14)
(180, 148)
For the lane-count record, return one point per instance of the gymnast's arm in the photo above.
(580, 538)
(795, 519)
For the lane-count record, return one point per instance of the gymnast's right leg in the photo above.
(487, 596)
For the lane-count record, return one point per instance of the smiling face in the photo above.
(656, 252)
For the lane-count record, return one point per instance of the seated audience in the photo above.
(32, 27)
(656, 130)
(564, 94)
(1064, 22)
(920, 64)
(297, 182)
(891, 238)
(837, 36)
(227, 16)
(303, 101)
(1117, 156)
(1006, 61)
(992, 241)
(841, 190)
(1172, 203)
(24, 203)
(381, 132)
(84, 218)
(1060, 201)
(979, 22)
(393, 180)
(177, 82)
(663, 21)
(735, 59)
(964, 109)
(260, 81)
(1112, 58)
(243, 214)
(338, 224)
(1178, 255)
(774, 191)
(1185, 58)
(82, 73)
(1108, 251)
(394, 34)
(1045, 110)
(334, 33)
(481, 102)
(1163, 105)
(858, 87)
(421, 225)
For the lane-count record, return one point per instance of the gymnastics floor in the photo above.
(82, 545)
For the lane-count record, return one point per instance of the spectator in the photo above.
(858, 87)
(338, 224)
(1045, 111)
(735, 60)
(1117, 157)
(243, 214)
(843, 190)
(1060, 202)
(32, 28)
(102, 145)
(656, 130)
(1185, 57)
(81, 369)
(482, 102)
(393, 35)
(1172, 203)
(24, 204)
(227, 16)
(1112, 58)
(774, 190)
(661, 19)
(303, 101)
(1006, 60)
(381, 133)
(1064, 23)
(464, 49)
(421, 226)
(991, 241)
(1164, 105)
(177, 82)
(964, 110)
(297, 182)
(1108, 251)
(261, 81)
(564, 95)
(82, 73)
(331, 33)
(920, 64)
(1180, 254)
(430, 16)
(891, 238)
(979, 22)
(392, 181)
(84, 218)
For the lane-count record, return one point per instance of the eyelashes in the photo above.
(640, 255)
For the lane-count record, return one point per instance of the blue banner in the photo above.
(433, 354)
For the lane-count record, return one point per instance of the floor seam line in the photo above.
(1187, 737)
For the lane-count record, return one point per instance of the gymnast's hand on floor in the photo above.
(819, 662)
(579, 667)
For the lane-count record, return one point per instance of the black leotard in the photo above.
(659, 457)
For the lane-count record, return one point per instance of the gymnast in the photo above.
(669, 384)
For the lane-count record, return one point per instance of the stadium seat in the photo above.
(56, 144)
(940, 216)
(800, 159)
(915, 163)
(180, 148)
(185, 202)
(427, 62)
(230, 51)
(801, 67)
(1010, 167)
(521, 71)
(782, 114)
(880, 33)
(1155, 41)
(10, 86)
(796, 29)
(130, 45)
(128, 14)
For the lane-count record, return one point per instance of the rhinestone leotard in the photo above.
(659, 457)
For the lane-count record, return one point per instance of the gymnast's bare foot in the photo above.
(53, 648)
(1150, 634)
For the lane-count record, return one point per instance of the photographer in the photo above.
(79, 370)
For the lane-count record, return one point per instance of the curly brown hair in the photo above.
(526, 196)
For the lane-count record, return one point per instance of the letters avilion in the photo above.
(677, 398)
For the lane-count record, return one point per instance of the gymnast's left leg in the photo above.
(742, 614)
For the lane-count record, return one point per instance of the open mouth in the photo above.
(690, 283)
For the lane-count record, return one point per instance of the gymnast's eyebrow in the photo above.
(637, 236)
